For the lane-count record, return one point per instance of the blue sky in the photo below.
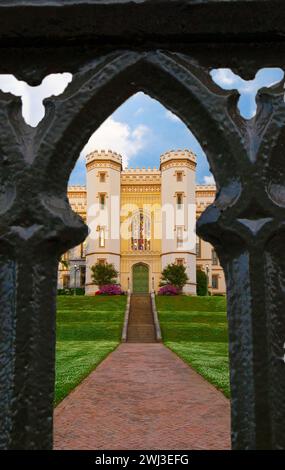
(141, 129)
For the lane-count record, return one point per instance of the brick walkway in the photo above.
(143, 397)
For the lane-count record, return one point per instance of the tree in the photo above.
(202, 288)
(103, 274)
(174, 274)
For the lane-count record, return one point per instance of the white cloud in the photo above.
(209, 179)
(32, 96)
(226, 78)
(171, 116)
(119, 137)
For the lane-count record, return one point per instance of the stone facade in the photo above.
(207, 258)
(141, 217)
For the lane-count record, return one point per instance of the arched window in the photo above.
(141, 232)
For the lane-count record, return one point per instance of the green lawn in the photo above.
(195, 328)
(88, 328)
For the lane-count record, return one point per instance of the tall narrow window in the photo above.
(102, 237)
(82, 276)
(141, 232)
(179, 231)
(215, 281)
(198, 247)
(179, 200)
(66, 281)
(102, 200)
(215, 260)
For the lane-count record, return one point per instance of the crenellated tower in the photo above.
(179, 212)
(103, 183)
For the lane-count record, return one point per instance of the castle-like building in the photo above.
(141, 220)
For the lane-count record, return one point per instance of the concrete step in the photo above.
(141, 327)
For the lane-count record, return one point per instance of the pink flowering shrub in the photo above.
(168, 289)
(110, 289)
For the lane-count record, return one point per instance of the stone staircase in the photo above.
(141, 326)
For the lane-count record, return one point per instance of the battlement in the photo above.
(178, 155)
(140, 171)
(205, 187)
(103, 155)
(141, 176)
(76, 188)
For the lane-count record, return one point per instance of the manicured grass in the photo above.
(195, 328)
(88, 328)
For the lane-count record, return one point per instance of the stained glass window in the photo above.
(141, 232)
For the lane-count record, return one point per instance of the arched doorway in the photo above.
(140, 278)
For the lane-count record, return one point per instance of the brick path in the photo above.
(142, 396)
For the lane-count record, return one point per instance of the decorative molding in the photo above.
(103, 164)
(209, 194)
(178, 253)
(155, 188)
(206, 187)
(102, 253)
(178, 163)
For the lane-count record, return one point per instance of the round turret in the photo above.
(103, 156)
(176, 157)
(103, 182)
(178, 212)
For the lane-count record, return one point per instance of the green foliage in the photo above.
(103, 274)
(88, 329)
(70, 291)
(174, 274)
(201, 279)
(196, 329)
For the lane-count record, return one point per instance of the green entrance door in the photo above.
(140, 279)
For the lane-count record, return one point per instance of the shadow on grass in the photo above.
(88, 329)
(196, 329)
